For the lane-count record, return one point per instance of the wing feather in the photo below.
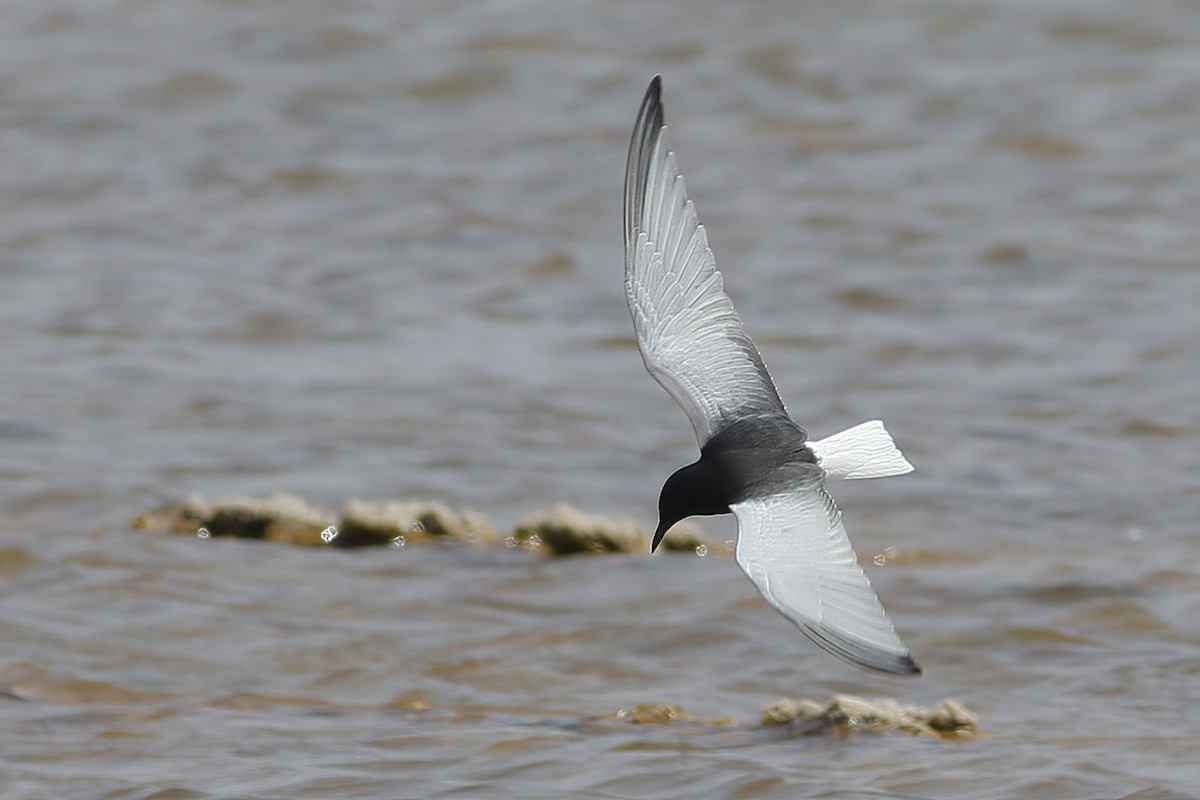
(794, 548)
(691, 338)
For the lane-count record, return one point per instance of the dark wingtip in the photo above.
(855, 651)
(637, 165)
(652, 104)
(903, 666)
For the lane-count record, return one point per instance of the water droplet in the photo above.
(398, 541)
(701, 550)
(203, 533)
(418, 527)
(887, 555)
(510, 541)
(534, 542)
(329, 534)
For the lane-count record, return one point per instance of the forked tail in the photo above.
(864, 451)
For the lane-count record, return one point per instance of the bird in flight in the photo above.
(755, 462)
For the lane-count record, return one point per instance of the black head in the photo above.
(692, 491)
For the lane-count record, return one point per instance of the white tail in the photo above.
(864, 451)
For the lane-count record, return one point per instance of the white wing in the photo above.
(794, 548)
(691, 339)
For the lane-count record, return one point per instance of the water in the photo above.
(373, 249)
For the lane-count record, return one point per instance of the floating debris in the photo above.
(843, 715)
(562, 530)
(565, 531)
(410, 700)
(661, 714)
(846, 714)
(652, 714)
(278, 518)
(380, 522)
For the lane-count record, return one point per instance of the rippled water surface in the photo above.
(373, 250)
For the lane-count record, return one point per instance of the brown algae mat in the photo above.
(846, 714)
(842, 716)
(289, 519)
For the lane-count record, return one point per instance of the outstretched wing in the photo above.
(691, 339)
(794, 548)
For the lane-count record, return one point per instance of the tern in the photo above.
(755, 461)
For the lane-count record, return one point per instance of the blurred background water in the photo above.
(373, 249)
